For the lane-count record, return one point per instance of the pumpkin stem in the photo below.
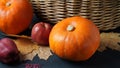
(8, 4)
(70, 28)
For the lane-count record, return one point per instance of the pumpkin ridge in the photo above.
(66, 45)
(5, 25)
(64, 53)
(78, 44)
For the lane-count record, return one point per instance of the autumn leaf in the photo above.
(29, 49)
(109, 40)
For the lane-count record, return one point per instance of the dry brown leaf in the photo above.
(29, 49)
(43, 52)
(109, 40)
(25, 46)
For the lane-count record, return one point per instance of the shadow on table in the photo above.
(106, 59)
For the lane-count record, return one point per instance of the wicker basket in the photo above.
(104, 13)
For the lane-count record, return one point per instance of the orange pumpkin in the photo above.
(74, 38)
(15, 15)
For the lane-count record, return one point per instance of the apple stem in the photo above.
(70, 28)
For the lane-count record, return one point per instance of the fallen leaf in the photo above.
(109, 40)
(44, 52)
(25, 46)
(29, 49)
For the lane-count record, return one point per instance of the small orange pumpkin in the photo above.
(15, 15)
(74, 38)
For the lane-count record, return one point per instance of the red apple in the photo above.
(40, 33)
(8, 51)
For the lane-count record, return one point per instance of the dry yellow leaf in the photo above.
(25, 46)
(29, 49)
(109, 40)
(43, 52)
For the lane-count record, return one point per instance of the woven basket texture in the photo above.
(104, 13)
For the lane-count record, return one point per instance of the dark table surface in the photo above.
(106, 59)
